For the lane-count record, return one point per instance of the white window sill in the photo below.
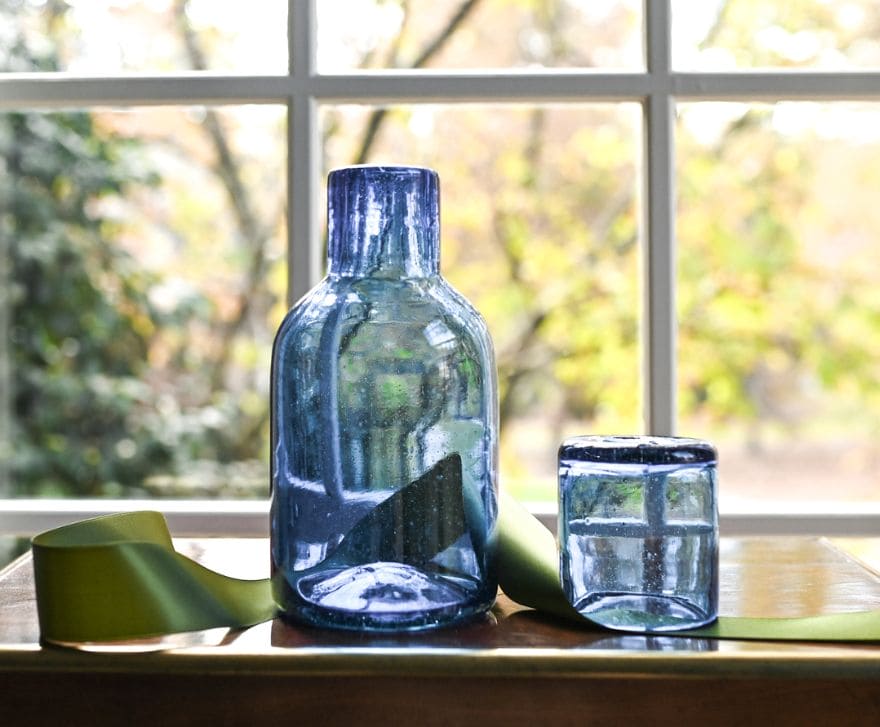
(250, 518)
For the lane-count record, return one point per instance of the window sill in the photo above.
(250, 518)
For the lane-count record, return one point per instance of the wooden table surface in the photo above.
(514, 666)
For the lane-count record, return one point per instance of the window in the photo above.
(667, 228)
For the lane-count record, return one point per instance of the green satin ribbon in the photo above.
(529, 567)
(119, 577)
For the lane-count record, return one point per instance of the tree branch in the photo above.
(374, 123)
(247, 220)
(717, 25)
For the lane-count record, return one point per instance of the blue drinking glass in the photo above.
(384, 418)
(638, 531)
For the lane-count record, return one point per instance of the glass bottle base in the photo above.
(383, 596)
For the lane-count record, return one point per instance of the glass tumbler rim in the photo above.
(638, 449)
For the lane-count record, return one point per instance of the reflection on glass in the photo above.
(651, 643)
(779, 309)
(486, 34)
(112, 36)
(539, 223)
(143, 278)
(719, 35)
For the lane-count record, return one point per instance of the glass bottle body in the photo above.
(384, 446)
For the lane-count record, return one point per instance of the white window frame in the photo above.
(303, 90)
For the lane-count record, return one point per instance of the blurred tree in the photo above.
(109, 388)
(543, 244)
(79, 419)
(549, 194)
(252, 302)
(777, 334)
(767, 328)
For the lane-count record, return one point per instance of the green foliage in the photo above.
(81, 319)
(764, 326)
(126, 380)
(540, 232)
(86, 419)
(611, 496)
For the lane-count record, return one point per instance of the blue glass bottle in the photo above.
(384, 423)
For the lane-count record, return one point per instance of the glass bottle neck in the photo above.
(383, 222)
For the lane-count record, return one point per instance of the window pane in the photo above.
(540, 234)
(143, 269)
(779, 300)
(488, 34)
(717, 35)
(112, 36)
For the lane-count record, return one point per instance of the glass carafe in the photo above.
(384, 423)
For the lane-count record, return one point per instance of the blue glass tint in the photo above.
(384, 423)
(638, 530)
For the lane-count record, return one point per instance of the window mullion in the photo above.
(303, 154)
(659, 325)
(779, 85)
(56, 90)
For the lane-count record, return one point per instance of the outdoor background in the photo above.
(143, 262)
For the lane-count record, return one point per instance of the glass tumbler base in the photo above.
(640, 612)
